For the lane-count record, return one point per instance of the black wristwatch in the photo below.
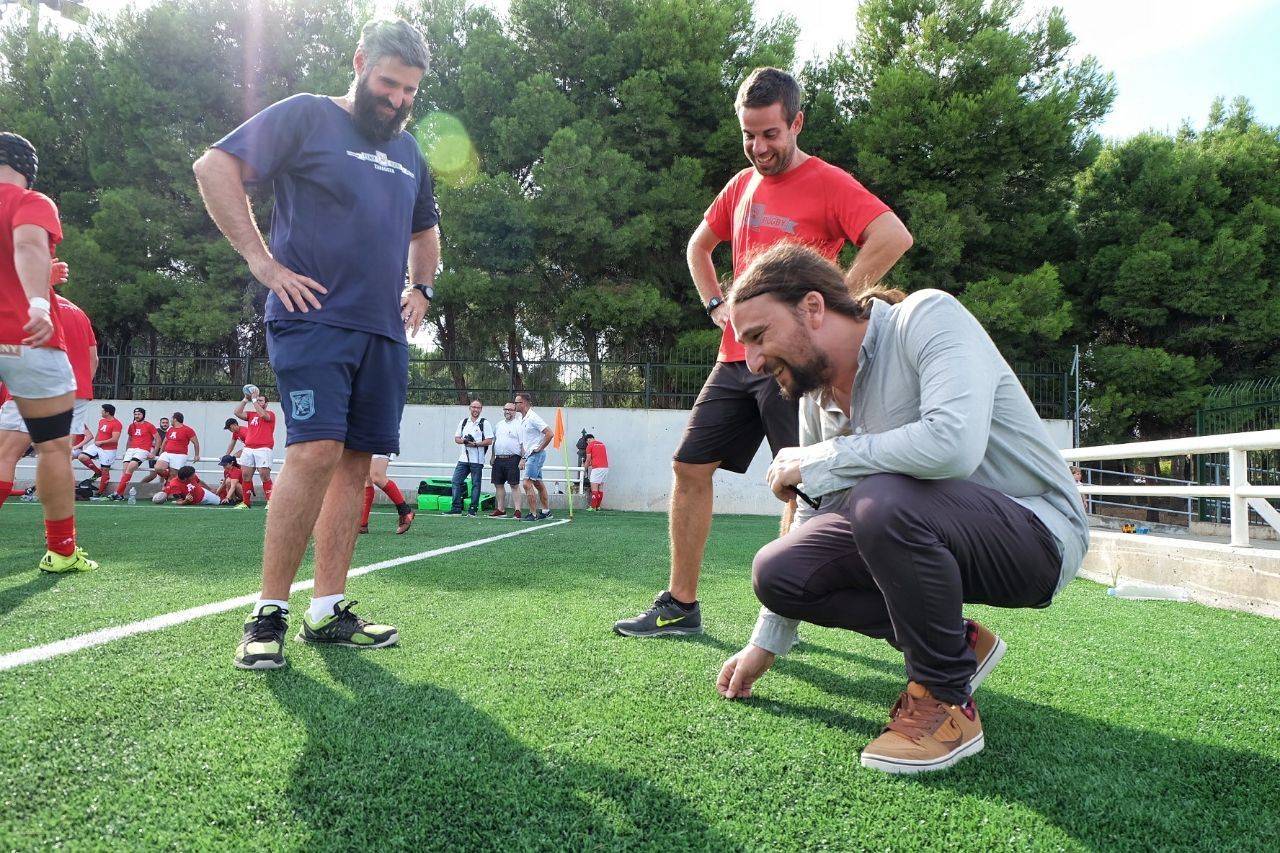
(426, 290)
(714, 303)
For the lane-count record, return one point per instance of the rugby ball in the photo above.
(158, 498)
(250, 391)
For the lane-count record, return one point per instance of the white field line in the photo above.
(168, 620)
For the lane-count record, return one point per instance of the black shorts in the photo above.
(506, 471)
(735, 410)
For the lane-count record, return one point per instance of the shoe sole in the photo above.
(907, 766)
(260, 664)
(381, 644)
(659, 632)
(986, 666)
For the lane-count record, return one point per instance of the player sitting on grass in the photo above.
(231, 490)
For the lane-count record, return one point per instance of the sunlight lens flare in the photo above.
(448, 148)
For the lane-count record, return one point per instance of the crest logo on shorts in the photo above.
(304, 404)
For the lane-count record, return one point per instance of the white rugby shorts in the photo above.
(173, 460)
(136, 454)
(103, 456)
(255, 457)
(598, 476)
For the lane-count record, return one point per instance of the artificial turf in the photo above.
(510, 717)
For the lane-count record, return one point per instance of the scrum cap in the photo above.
(19, 154)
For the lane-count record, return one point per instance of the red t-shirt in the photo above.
(77, 332)
(192, 487)
(596, 454)
(815, 204)
(107, 426)
(260, 431)
(24, 207)
(178, 438)
(142, 435)
(233, 473)
(4, 394)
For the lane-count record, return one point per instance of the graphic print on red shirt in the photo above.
(142, 435)
(178, 439)
(260, 430)
(107, 426)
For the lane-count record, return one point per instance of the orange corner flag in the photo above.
(558, 438)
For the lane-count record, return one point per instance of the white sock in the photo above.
(263, 602)
(323, 606)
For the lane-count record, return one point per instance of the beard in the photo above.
(370, 121)
(803, 377)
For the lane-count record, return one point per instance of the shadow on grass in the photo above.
(14, 596)
(411, 766)
(1107, 786)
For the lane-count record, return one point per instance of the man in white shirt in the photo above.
(537, 435)
(506, 460)
(475, 436)
(933, 483)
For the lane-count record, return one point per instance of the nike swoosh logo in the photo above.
(662, 623)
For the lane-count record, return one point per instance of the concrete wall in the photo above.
(640, 443)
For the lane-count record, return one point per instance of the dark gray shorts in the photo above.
(735, 410)
(506, 471)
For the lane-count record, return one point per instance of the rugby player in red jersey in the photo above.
(142, 441)
(33, 359)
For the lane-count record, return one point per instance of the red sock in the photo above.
(60, 535)
(266, 490)
(106, 478)
(124, 481)
(97, 472)
(368, 504)
(244, 495)
(7, 491)
(393, 492)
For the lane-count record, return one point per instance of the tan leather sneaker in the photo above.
(925, 734)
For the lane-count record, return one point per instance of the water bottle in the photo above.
(133, 495)
(1148, 592)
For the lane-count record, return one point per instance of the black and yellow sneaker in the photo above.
(262, 646)
(666, 617)
(344, 628)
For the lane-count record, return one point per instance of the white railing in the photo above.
(1237, 491)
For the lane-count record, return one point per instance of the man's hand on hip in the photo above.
(413, 310)
(296, 291)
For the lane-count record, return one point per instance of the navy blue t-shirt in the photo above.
(345, 208)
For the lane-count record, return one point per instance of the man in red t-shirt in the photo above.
(786, 195)
(177, 441)
(33, 359)
(259, 435)
(142, 441)
(99, 454)
(597, 470)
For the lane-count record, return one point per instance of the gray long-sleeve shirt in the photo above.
(933, 399)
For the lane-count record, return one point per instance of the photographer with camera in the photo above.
(475, 436)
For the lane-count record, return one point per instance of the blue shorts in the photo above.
(533, 465)
(339, 384)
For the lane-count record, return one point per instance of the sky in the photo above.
(1170, 58)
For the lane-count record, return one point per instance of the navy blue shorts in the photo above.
(339, 384)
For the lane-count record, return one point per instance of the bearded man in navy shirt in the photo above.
(354, 207)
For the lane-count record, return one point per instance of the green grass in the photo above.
(511, 718)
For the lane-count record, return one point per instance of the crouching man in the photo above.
(933, 484)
